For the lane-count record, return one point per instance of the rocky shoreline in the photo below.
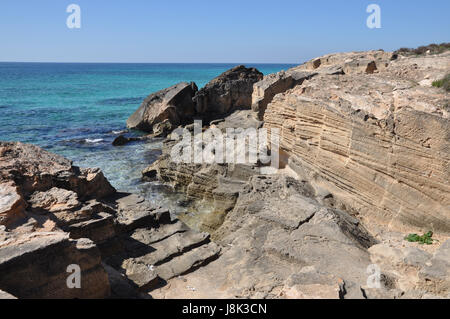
(364, 161)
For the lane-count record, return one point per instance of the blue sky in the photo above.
(258, 31)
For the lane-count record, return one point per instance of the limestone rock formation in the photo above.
(173, 104)
(230, 91)
(377, 141)
(365, 149)
(272, 84)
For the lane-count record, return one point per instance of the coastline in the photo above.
(264, 235)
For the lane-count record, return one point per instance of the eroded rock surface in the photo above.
(377, 141)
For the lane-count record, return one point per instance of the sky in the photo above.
(213, 31)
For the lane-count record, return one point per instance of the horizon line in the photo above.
(237, 63)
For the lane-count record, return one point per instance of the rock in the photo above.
(121, 286)
(416, 257)
(33, 169)
(72, 216)
(150, 173)
(314, 291)
(350, 63)
(163, 128)
(309, 283)
(35, 266)
(267, 239)
(230, 91)
(120, 141)
(54, 201)
(123, 140)
(271, 85)
(99, 229)
(363, 136)
(134, 212)
(12, 205)
(189, 261)
(436, 276)
(382, 254)
(5, 295)
(381, 293)
(93, 184)
(173, 104)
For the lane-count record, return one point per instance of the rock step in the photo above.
(189, 261)
(98, 229)
(154, 235)
(135, 212)
(163, 251)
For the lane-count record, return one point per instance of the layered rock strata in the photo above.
(378, 141)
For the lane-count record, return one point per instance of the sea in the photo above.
(77, 109)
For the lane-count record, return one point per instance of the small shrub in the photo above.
(444, 83)
(433, 48)
(425, 239)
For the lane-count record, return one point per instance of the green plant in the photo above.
(422, 240)
(443, 83)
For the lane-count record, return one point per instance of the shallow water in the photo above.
(76, 110)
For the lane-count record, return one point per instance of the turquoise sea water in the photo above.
(76, 110)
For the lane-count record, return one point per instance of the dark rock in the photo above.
(230, 91)
(121, 140)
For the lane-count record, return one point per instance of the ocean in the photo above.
(77, 109)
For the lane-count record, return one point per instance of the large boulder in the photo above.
(229, 91)
(173, 104)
